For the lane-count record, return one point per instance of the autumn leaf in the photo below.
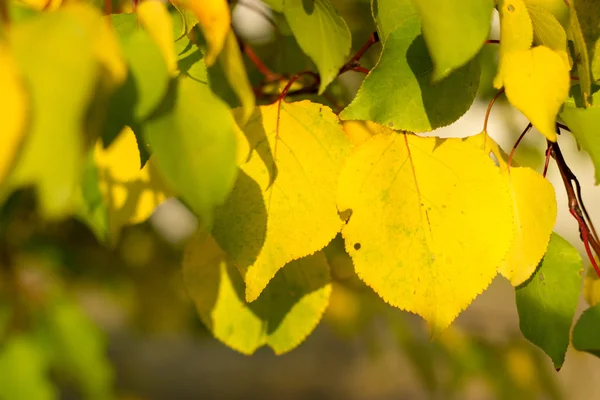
(431, 221)
(527, 75)
(214, 18)
(534, 208)
(286, 312)
(154, 17)
(13, 110)
(130, 193)
(591, 287)
(283, 205)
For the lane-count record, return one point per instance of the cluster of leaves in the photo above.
(107, 116)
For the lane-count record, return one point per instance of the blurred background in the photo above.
(117, 323)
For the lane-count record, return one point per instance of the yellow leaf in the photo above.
(489, 146)
(534, 207)
(516, 32)
(431, 221)
(130, 193)
(214, 19)
(46, 5)
(591, 287)
(283, 205)
(359, 131)
(235, 72)
(285, 313)
(537, 84)
(154, 17)
(13, 110)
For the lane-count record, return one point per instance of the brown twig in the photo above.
(489, 109)
(576, 206)
(512, 152)
(492, 41)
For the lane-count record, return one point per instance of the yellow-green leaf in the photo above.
(130, 193)
(582, 57)
(537, 84)
(282, 317)
(431, 221)
(534, 208)
(154, 17)
(214, 19)
(516, 32)
(61, 72)
(548, 31)
(591, 287)
(283, 205)
(13, 110)
(235, 72)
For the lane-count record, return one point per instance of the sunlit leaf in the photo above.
(581, 26)
(585, 333)
(547, 302)
(24, 370)
(13, 110)
(583, 123)
(388, 14)
(214, 19)
(186, 23)
(154, 17)
(235, 72)
(129, 193)
(283, 205)
(591, 287)
(516, 32)
(534, 208)
(548, 31)
(321, 33)
(558, 8)
(454, 33)
(193, 142)
(61, 83)
(286, 312)
(412, 101)
(537, 84)
(417, 216)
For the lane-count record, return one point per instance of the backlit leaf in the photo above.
(129, 193)
(235, 72)
(62, 85)
(558, 8)
(214, 19)
(583, 123)
(585, 332)
(24, 370)
(412, 101)
(534, 207)
(418, 233)
(516, 32)
(582, 56)
(591, 287)
(588, 13)
(547, 302)
(548, 31)
(454, 33)
(537, 84)
(285, 313)
(388, 14)
(321, 33)
(13, 110)
(283, 205)
(154, 17)
(193, 142)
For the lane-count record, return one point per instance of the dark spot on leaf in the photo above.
(357, 246)
(541, 277)
(511, 8)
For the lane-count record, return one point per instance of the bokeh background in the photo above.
(117, 323)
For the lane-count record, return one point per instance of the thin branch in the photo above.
(489, 109)
(512, 152)
(492, 41)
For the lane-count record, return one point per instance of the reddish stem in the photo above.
(269, 75)
(512, 152)
(107, 7)
(489, 109)
(492, 41)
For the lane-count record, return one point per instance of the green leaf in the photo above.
(146, 84)
(388, 14)
(547, 30)
(321, 33)
(582, 56)
(77, 348)
(282, 317)
(276, 5)
(399, 91)
(24, 371)
(583, 123)
(454, 33)
(61, 73)
(547, 301)
(193, 142)
(585, 332)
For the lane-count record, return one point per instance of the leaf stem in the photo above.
(492, 41)
(489, 109)
(512, 152)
